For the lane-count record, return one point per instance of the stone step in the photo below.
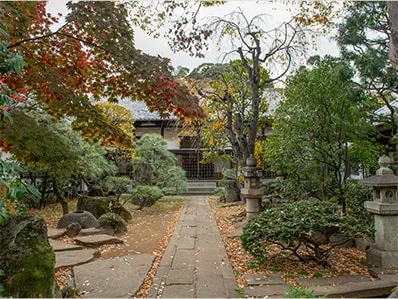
(365, 289)
(332, 281)
(200, 189)
(95, 231)
(111, 278)
(74, 257)
(97, 240)
(266, 291)
(209, 184)
(61, 246)
(55, 233)
(259, 279)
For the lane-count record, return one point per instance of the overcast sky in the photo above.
(275, 12)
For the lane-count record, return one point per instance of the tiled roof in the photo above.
(384, 111)
(141, 111)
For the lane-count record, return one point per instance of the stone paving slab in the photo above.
(266, 291)
(179, 291)
(258, 279)
(74, 257)
(185, 276)
(367, 289)
(55, 233)
(61, 246)
(332, 281)
(187, 243)
(184, 258)
(115, 277)
(96, 240)
(96, 231)
(204, 270)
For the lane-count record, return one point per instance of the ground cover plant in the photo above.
(301, 228)
(341, 260)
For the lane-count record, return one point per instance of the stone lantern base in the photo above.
(382, 259)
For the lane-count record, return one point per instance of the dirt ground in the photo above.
(146, 230)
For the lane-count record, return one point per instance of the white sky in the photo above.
(276, 13)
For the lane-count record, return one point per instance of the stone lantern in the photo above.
(252, 192)
(384, 253)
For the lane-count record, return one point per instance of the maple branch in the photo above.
(37, 37)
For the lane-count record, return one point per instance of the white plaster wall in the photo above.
(170, 135)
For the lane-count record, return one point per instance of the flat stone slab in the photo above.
(379, 272)
(186, 243)
(96, 240)
(332, 281)
(96, 231)
(184, 258)
(178, 291)
(55, 233)
(74, 257)
(61, 246)
(367, 289)
(179, 277)
(115, 277)
(258, 279)
(265, 291)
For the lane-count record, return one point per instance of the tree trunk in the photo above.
(61, 199)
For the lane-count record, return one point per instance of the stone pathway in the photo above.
(195, 264)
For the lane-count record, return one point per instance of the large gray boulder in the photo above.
(114, 221)
(84, 218)
(95, 205)
(27, 258)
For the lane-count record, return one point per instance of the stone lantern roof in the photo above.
(384, 177)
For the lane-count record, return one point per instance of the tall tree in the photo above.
(67, 65)
(320, 131)
(364, 37)
(227, 121)
(255, 47)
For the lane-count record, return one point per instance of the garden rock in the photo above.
(84, 218)
(122, 212)
(363, 244)
(27, 258)
(73, 229)
(232, 191)
(319, 238)
(341, 240)
(95, 205)
(114, 221)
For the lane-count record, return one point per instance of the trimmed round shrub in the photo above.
(290, 226)
(118, 185)
(114, 221)
(146, 196)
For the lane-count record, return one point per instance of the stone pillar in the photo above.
(385, 209)
(252, 193)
